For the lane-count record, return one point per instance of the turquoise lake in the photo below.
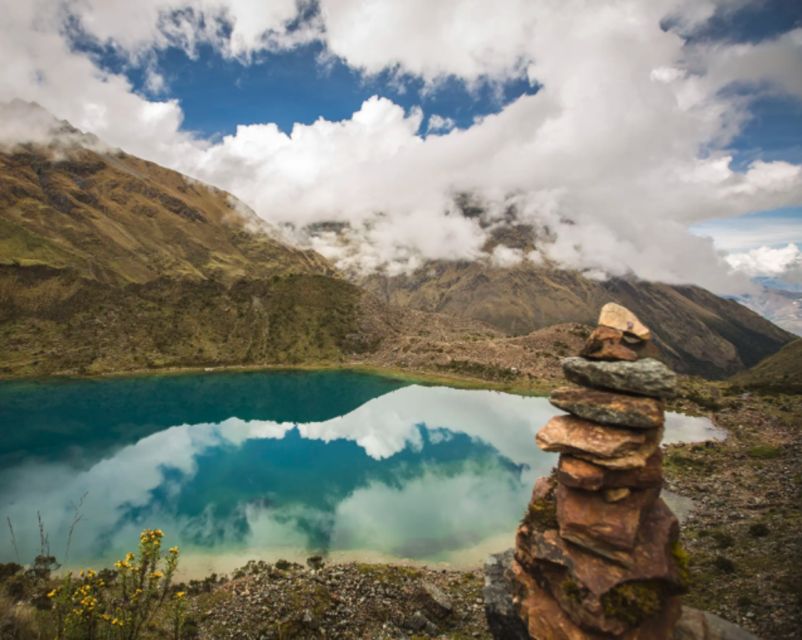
(271, 465)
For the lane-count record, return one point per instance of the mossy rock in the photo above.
(633, 602)
(683, 562)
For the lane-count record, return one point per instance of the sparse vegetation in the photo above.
(764, 452)
(133, 601)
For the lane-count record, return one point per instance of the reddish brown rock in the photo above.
(606, 343)
(590, 589)
(606, 528)
(609, 447)
(632, 461)
(650, 475)
(541, 512)
(651, 558)
(581, 474)
(608, 407)
(546, 620)
(569, 433)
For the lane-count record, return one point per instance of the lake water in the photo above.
(271, 465)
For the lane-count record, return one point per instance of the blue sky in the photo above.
(576, 116)
(218, 93)
(774, 228)
(296, 86)
(303, 84)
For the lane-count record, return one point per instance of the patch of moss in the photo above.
(542, 515)
(764, 452)
(572, 590)
(633, 602)
(683, 561)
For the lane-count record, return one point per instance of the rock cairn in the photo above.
(597, 554)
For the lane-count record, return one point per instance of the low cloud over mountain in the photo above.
(625, 144)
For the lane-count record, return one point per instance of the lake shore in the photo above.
(520, 385)
(742, 533)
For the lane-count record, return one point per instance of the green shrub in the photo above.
(119, 605)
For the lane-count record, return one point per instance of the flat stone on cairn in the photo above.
(597, 554)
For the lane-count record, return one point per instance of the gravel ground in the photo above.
(351, 600)
(744, 534)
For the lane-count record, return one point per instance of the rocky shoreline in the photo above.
(742, 536)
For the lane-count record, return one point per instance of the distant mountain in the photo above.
(697, 331)
(783, 308)
(780, 372)
(111, 263)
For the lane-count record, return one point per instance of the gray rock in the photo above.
(416, 622)
(647, 377)
(435, 601)
(623, 409)
(502, 617)
(702, 625)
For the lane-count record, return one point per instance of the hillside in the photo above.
(697, 331)
(780, 372)
(109, 263)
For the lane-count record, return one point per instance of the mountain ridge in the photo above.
(112, 263)
(697, 331)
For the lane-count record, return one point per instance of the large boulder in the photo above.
(546, 620)
(703, 625)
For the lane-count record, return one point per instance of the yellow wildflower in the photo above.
(53, 593)
(180, 594)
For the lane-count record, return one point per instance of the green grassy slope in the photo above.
(781, 372)
(111, 263)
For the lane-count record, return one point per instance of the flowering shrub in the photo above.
(90, 607)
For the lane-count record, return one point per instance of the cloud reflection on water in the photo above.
(426, 473)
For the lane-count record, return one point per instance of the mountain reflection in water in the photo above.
(269, 465)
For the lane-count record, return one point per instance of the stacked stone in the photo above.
(597, 555)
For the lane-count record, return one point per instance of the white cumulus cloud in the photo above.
(623, 147)
(784, 263)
